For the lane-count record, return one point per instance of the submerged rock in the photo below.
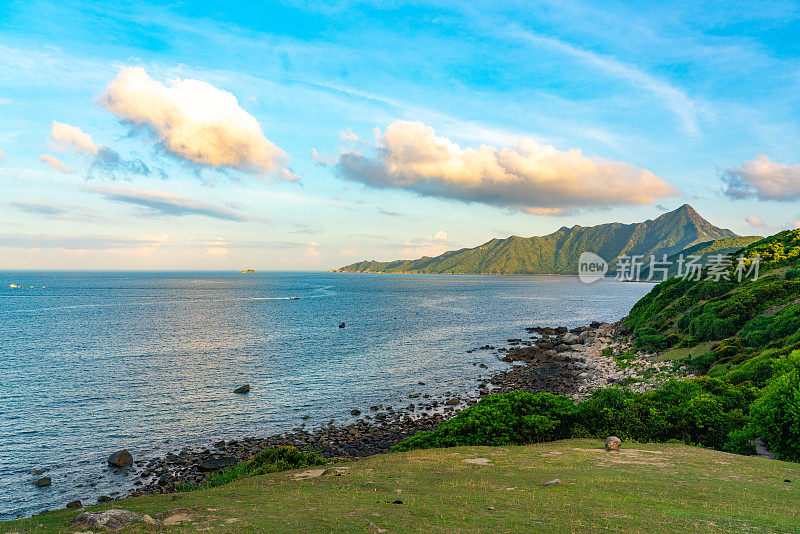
(241, 390)
(42, 482)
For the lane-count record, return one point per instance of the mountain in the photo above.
(558, 253)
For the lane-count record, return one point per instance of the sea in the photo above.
(94, 362)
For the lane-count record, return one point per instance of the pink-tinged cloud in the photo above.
(54, 164)
(197, 122)
(529, 176)
(754, 220)
(68, 137)
(763, 179)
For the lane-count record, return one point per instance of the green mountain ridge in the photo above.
(558, 252)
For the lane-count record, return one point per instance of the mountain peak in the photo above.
(558, 253)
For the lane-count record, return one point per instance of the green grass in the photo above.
(645, 488)
(685, 352)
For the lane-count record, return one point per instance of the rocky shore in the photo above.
(555, 360)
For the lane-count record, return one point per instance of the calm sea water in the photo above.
(92, 362)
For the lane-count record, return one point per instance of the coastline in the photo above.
(554, 360)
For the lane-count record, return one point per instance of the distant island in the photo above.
(680, 231)
(247, 271)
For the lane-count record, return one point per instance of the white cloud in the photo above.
(754, 220)
(312, 251)
(674, 98)
(195, 121)
(66, 136)
(54, 164)
(433, 245)
(529, 176)
(764, 179)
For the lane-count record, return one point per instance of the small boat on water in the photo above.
(14, 286)
(293, 297)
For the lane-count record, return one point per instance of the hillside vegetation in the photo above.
(558, 253)
(741, 337)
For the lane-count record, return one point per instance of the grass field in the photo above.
(643, 488)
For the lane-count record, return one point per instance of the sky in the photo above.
(303, 136)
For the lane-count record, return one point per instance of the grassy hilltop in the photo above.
(643, 488)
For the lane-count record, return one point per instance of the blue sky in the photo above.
(384, 131)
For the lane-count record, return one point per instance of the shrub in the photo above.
(267, 461)
(701, 363)
(740, 442)
(514, 418)
(776, 415)
(701, 411)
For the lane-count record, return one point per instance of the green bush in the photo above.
(701, 363)
(267, 461)
(701, 411)
(762, 330)
(740, 442)
(776, 415)
(515, 418)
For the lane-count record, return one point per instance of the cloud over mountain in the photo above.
(763, 179)
(529, 176)
(195, 121)
(170, 204)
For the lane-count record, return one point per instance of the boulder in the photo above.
(74, 505)
(355, 412)
(108, 520)
(121, 458)
(215, 464)
(569, 338)
(42, 482)
(613, 443)
(453, 402)
(241, 390)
